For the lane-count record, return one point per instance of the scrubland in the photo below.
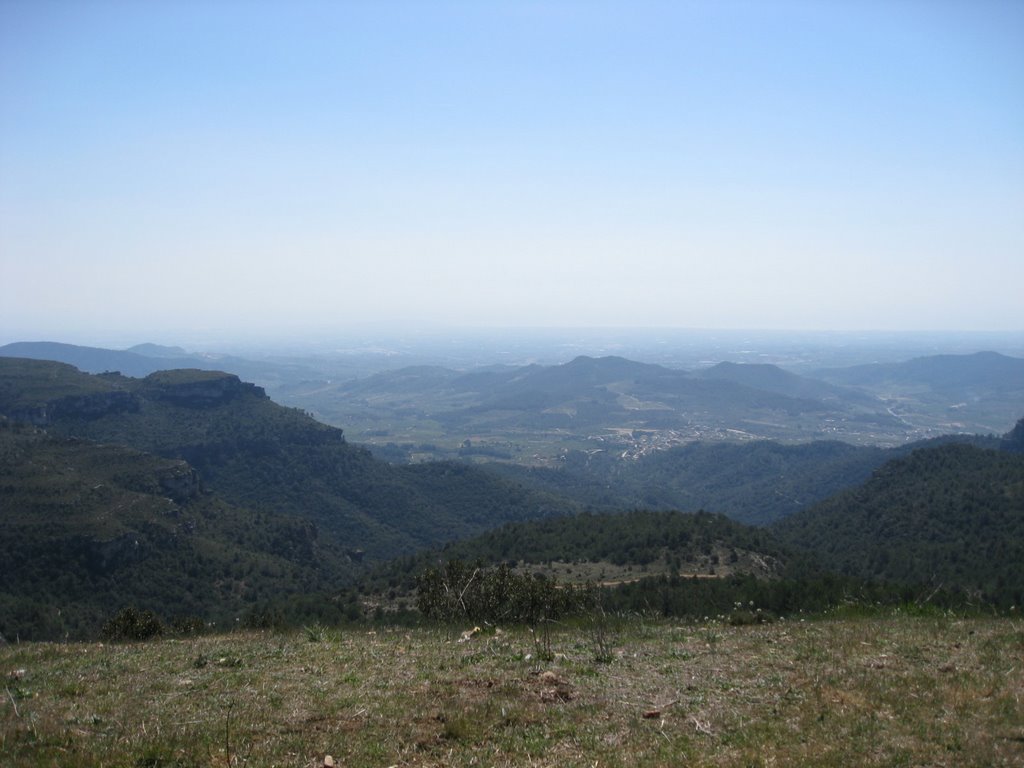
(877, 691)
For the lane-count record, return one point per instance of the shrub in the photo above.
(130, 625)
(263, 617)
(187, 625)
(456, 591)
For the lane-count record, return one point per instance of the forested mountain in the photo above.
(138, 361)
(1014, 439)
(669, 542)
(87, 528)
(192, 490)
(951, 516)
(613, 391)
(771, 378)
(269, 474)
(944, 523)
(260, 455)
(752, 482)
(144, 359)
(941, 373)
(95, 359)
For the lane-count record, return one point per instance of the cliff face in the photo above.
(198, 389)
(180, 483)
(1013, 441)
(90, 406)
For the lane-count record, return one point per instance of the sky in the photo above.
(185, 167)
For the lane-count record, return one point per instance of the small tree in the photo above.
(475, 593)
(130, 625)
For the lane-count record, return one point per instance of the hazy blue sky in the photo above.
(192, 166)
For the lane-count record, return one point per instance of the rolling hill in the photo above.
(755, 482)
(950, 516)
(941, 373)
(533, 413)
(772, 378)
(981, 392)
(612, 547)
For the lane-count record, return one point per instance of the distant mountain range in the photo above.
(137, 361)
(987, 371)
(144, 359)
(771, 378)
(534, 414)
(596, 403)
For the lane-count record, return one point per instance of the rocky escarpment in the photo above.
(1013, 440)
(180, 482)
(193, 388)
(90, 406)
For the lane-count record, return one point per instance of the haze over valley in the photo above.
(468, 397)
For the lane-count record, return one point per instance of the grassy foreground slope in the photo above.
(894, 690)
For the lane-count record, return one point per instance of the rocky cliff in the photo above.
(193, 388)
(90, 406)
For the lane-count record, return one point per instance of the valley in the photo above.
(560, 384)
(190, 492)
(457, 402)
(269, 593)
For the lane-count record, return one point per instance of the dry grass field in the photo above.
(879, 691)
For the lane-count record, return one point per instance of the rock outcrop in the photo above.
(1013, 440)
(90, 406)
(180, 483)
(193, 388)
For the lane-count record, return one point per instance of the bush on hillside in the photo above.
(131, 625)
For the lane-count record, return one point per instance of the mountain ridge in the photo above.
(274, 466)
(531, 413)
(950, 514)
